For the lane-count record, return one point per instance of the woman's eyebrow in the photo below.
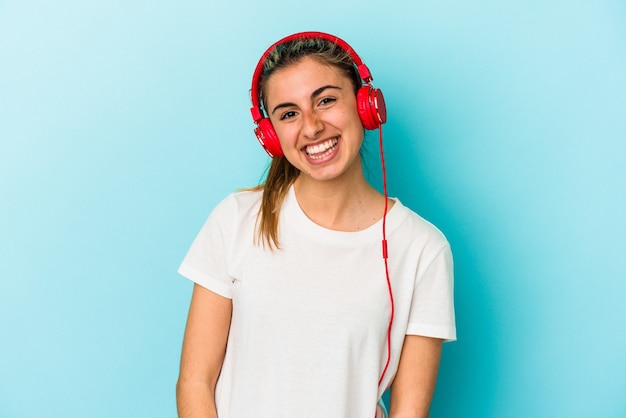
(316, 93)
(321, 90)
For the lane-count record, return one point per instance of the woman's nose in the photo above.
(312, 125)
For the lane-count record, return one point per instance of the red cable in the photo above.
(385, 254)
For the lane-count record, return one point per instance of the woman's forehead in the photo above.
(305, 71)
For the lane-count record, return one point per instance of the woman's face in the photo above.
(312, 107)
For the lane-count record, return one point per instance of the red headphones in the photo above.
(370, 101)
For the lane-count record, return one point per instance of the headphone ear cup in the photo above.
(267, 137)
(371, 107)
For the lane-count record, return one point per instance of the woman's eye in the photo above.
(327, 100)
(287, 115)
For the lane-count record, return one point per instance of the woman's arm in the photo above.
(203, 351)
(414, 385)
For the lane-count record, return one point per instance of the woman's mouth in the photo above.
(319, 151)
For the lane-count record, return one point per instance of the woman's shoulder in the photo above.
(415, 225)
(241, 199)
(246, 197)
(240, 203)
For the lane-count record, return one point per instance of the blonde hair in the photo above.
(281, 173)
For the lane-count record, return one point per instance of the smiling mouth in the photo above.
(319, 151)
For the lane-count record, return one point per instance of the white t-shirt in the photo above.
(309, 322)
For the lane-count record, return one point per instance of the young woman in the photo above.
(302, 307)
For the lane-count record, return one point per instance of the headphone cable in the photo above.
(385, 254)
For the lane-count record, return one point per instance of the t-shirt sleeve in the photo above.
(432, 306)
(206, 260)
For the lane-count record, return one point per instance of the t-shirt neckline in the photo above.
(293, 213)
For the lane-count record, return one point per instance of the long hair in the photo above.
(281, 173)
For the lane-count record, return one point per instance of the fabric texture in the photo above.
(309, 323)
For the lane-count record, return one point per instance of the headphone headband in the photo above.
(371, 104)
(364, 72)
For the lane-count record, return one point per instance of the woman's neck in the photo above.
(340, 205)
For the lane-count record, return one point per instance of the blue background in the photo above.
(122, 123)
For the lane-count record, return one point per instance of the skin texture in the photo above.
(309, 104)
(203, 351)
(414, 385)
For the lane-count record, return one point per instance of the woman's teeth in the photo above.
(321, 150)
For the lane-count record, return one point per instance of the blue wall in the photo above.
(123, 122)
